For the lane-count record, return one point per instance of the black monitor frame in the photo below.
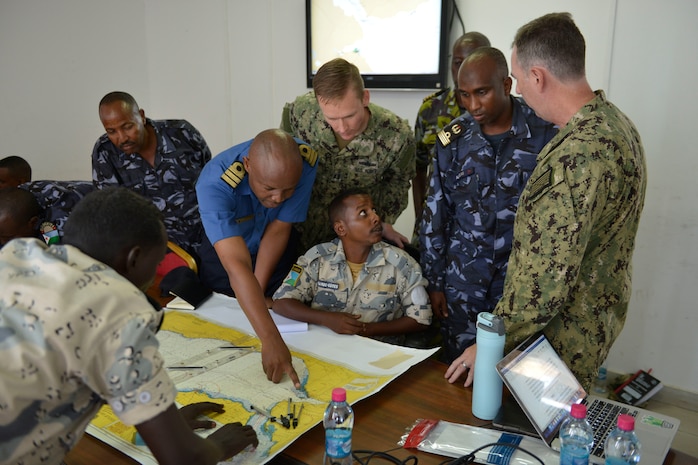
(397, 81)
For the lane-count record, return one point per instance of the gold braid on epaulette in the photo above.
(234, 175)
(308, 154)
(450, 133)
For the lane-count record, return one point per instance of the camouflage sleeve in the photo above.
(415, 299)
(301, 281)
(393, 197)
(433, 234)
(286, 119)
(103, 173)
(554, 223)
(203, 153)
(421, 148)
(127, 369)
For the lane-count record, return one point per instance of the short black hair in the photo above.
(337, 207)
(17, 166)
(119, 96)
(107, 222)
(19, 204)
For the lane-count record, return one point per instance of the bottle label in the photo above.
(338, 443)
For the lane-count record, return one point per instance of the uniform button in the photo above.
(144, 397)
(117, 406)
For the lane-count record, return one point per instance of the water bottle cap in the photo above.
(339, 395)
(626, 422)
(578, 411)
(491, 323)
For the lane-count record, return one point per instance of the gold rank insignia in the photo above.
(234, 175)
(308, 154)
(450, 133)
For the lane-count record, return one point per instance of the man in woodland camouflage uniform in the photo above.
(483, 160)
(437, 110)
(574, 234)
(358, 143)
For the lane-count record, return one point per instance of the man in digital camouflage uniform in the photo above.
(574, 234)
(159, 159)
(357, 284)
(359, 144)
(436, 111)
(483, 160)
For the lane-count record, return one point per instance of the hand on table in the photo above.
(465, 362)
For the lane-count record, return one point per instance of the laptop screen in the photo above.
(541, 383)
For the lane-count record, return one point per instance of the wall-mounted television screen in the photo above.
(396, 44)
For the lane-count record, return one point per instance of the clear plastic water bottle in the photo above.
(622, 446)
(338, 422)
(576, 437)
(601, 384)
(487, 385)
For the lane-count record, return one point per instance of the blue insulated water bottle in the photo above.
(487, 385)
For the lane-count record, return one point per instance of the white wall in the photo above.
(229, 65)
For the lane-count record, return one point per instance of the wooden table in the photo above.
(380, 421)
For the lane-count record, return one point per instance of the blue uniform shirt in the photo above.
(228, 211)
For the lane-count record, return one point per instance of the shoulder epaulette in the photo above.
(434, 95)
(308, 154)
(234, 175)
(450, 133)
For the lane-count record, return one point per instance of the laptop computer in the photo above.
(545, 388)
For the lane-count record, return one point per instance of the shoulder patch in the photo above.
(294, 275)
(50, 232)
(450, 133)
(434, 95)
(234, 175)
(542, 183)
(308, 154)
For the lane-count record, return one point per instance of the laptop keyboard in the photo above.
(602, 417)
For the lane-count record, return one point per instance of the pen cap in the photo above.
(487, 385)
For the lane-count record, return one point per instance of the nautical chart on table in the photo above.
(216, 363)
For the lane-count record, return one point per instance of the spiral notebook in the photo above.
(545, 388)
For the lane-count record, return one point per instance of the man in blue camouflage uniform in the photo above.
(358, 143)
(160, 159)
(357, 284)
(57, 199)
(570, 267)
(483, 160)
(437, 110)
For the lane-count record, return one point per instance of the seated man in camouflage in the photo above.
(357, 284)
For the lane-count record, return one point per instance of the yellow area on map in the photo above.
(234, 378)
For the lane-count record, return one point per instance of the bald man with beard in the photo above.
(249, 197)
